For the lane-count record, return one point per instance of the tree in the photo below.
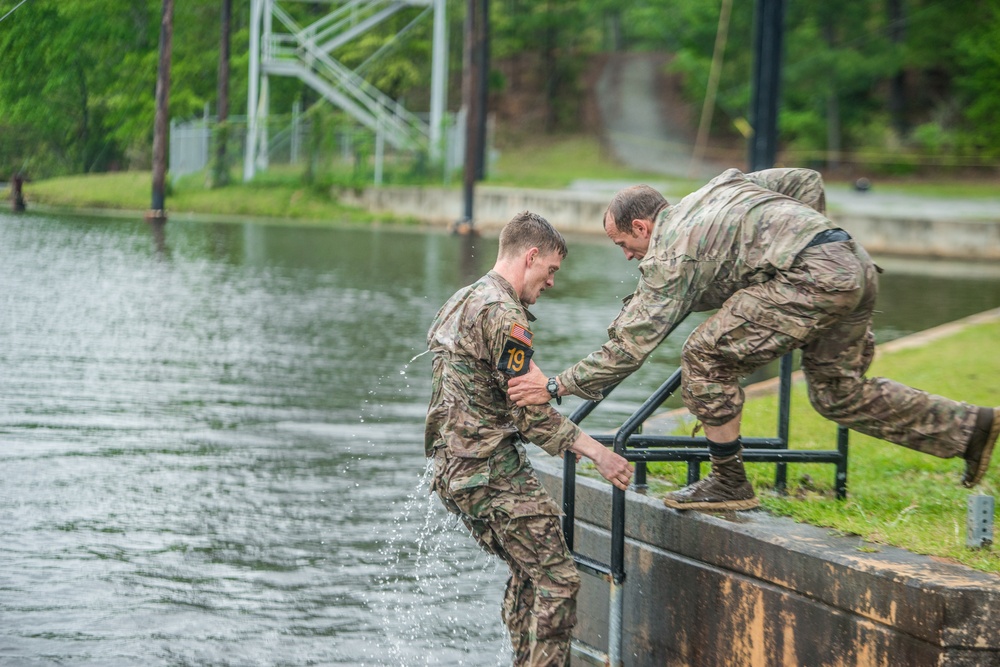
(61, 65)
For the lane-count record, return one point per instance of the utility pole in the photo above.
(220, 174)
(768, 41)
(768, 37)
(158, 208)
(482, 86)
(474, 98)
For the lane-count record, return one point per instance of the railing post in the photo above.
(784, 412)
(843, 435)
(639, 482)
(569, 497)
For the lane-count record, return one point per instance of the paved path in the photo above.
(632, 94)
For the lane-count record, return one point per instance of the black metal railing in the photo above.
(633, 445)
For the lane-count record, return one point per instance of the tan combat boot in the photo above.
(984, 439)
(726, 488)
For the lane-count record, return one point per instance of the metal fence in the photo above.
(295, 138)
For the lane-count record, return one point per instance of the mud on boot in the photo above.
(726, 488)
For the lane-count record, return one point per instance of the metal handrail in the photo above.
(694, 450)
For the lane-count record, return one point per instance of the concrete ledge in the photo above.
(749, 589)
(494, 206)
(583, 211)
(923, 237)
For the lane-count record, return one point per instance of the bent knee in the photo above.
(836, 401)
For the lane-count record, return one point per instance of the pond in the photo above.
(211, 437)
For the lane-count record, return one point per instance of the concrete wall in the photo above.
(573, 211)
(493, 206)
(922, 237)
(745, 589)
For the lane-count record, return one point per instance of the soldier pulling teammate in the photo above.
(759, 248)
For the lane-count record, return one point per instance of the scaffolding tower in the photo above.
(279, 46)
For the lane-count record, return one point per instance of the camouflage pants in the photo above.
(822, 305)
(511, 515)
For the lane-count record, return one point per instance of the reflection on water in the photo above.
(211, 438)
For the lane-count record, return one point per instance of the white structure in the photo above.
(289, 49)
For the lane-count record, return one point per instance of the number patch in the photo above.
(515, 357)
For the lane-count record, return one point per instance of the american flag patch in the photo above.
(517, 332)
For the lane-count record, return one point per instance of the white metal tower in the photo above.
(304, 52)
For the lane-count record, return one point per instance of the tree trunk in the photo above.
(220, 174)
(161, 121)
(897, 84)
(833, 136)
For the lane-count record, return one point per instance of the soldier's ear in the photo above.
(530, 256)
(642, 228)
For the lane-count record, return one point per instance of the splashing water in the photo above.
(443, 605)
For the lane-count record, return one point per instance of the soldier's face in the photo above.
(540, 276)
(634, 245)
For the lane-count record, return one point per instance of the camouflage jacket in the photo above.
(737, 230)
(479, 338)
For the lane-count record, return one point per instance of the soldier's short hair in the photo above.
(530, 230)
(639, 202)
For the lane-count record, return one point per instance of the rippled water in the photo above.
(211, 441)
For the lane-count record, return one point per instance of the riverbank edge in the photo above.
(748, 588)
(583, 212)
(752, 588)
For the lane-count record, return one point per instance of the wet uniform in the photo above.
(759, 248)
(480, 337)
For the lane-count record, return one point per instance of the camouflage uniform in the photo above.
(741, 244)
(481, 472)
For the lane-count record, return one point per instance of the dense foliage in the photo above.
(904, 82)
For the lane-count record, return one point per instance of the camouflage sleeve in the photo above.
(804, 185)
(658, 305)
(540, 424)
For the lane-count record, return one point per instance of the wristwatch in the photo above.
(553, 388)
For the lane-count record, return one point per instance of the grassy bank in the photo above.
(546, 162)
(558, 161)
(278, 194)
(281, 193)
(895, 496)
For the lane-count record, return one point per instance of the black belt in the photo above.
(829, 236)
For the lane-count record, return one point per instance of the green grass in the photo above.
(555, 162)
(279, 194)
(895, 496)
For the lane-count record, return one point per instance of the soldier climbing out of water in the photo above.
(480, 339)
(759, 248)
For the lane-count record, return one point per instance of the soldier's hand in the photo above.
(614, 468)
(529, 389)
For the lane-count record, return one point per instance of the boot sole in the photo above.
(984, 460)
(748, 504)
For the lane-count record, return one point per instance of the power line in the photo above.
(13, 10)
